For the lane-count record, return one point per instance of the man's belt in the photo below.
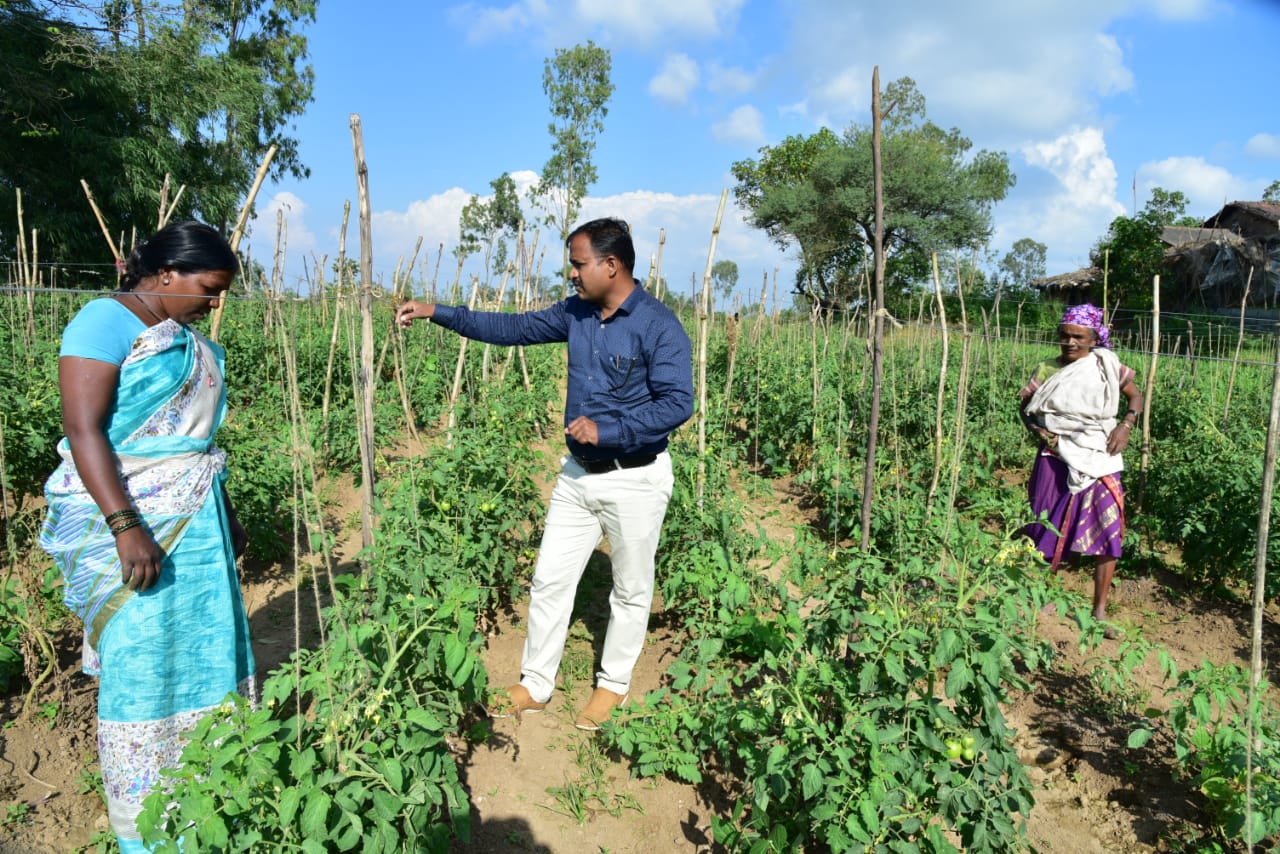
(602, 466)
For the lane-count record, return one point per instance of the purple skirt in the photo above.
(1091, 522)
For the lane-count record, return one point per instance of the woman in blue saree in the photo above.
(139, 521)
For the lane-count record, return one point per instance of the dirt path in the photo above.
(538, 784)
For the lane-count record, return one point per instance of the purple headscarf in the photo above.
(1088, 315)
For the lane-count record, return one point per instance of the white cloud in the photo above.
(297, 239)
(434, 219)
(1207, 187)
(729, 80)
(1076, 204)
(686, 222)
(1186, 10)
(617, 21)
(744, 126)
(483, 23)
(1264, 146)
(1040, 75)
(678, 77)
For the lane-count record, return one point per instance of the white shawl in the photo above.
(1078, 404)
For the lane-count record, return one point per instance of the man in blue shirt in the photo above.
(630, 385)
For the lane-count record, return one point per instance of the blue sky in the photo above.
(1086, 97)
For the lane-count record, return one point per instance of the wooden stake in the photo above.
(115, 251)
(942, 386)
(703, 321)
(877, 349)
(365, 378)
(1235, 362)
(238, 231)
(1259, 589)
(1151, 385)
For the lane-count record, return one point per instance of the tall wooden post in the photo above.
(1151, 386)
(877, 348)
(365, 377)
(704, 318)
(1259, 588)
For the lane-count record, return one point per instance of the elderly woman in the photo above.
(139, 521)
(1071, 404)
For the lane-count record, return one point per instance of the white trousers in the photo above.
(628, 506)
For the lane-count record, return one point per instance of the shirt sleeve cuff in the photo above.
(608, 434)
(444, 315)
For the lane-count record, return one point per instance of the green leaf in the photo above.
(290, 798)
(457, 660)
(394, 772)
(960, 678)
(387, 805)
(315, 816)
(811, 781)
(424, 719)
(1138, 738)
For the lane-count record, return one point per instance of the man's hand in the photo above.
(583, 429)
(412, 310)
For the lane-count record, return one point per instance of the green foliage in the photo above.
(351, 750)
(1132, 253)
(833, 710)
(576, 82)
(1024, 263)
(1204, 492)
(1210, 719)
(484, 226)
(195, 90)
(818, 191)
(724, 277)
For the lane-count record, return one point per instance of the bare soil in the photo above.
(539, 785)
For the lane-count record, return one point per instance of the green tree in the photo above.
(1272, 193)
(1133, 253)
(724, 277)
(485, 225)
(1024, 263)
(576, 81)
(818, 192)
(121, 94)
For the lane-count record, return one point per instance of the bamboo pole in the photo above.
(1259, 589)
(102, 223)
(877, 349)
(703, 321)
(337, 312)
(238, 232)
(942, 385)
(1151, 385)
(365, 379)
(962, 406)
(398, 355)
(1235, 362)
(451, 419)
(657, 272)
(815, 429)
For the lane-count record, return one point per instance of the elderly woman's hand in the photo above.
(1119, 438)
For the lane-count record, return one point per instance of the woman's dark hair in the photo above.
(608, 236)
(188, 247)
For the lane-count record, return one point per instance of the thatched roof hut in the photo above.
(1253, 220)
(1071, 287)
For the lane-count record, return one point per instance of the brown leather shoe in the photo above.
(602, 703)
(516, 701)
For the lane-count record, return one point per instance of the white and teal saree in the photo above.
(167, 655)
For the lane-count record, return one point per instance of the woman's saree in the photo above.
(167, 655)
